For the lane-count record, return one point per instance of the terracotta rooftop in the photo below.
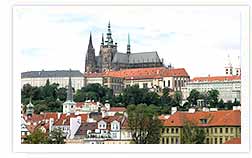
(142, 73)
(65, 119)
(216, 78)
(233, 141)
(117, 109)
(214, 118)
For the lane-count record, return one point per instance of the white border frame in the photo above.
(136, 148)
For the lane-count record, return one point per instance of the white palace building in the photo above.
(228, 85)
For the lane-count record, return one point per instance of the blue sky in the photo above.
(196, 38)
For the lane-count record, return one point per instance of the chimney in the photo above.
(213, 109)
(51, 122)
(191, 110)
(59, 114)
(205, 109)
(173, 110)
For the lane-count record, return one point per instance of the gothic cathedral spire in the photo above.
(90, 44)
(128, 45)
(90, 57)
(109, 40)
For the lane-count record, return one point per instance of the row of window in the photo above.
(217, 140)
(170, 130)
(223, 130)
(170, 140)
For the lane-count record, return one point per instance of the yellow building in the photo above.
(219, 126)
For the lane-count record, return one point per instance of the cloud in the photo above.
(189, 37)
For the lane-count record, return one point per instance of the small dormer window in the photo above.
(203, 121)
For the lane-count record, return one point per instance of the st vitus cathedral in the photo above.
(110, 59)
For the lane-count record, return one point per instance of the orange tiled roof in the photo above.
(142, 73)
(117, 109)
(233, 141)
(214, 118)
(216, 78)
(65, 119)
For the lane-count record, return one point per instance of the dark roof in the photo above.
(133, 58)
(84, 127)
(144, 57)
(56, 73)
(121, 58)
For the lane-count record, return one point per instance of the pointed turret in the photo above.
(109, 40)
(90, 62)
(70, 89)
(90, 44)
(102, 43)
(69, 104)
(128, 45)
(29, 108)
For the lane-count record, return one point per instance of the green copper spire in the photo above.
(70, 90)
(128, 45)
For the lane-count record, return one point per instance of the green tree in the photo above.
(213, 97)
(151, 98)
(221, 104)
(133, 95)
(193, 97)
(192, 134)
(56, 136)
(144, 124)
(177, 98)
(62, 94)
(37, 137)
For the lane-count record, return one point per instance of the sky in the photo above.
(197, 38)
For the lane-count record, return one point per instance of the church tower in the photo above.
(128, 45)
(90, 63)
(229, 67)
(69, 104)
(107, 51)
(29, 109)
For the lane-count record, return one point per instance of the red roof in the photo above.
(142, 73)
(233, 141)
(117, 109)
(214, 118)
(93, 75)
(65, 119)
(41, 117)
(216, 78)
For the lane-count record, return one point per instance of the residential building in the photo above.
(219, 126)
(61, 77)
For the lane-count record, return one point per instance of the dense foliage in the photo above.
(50, 97)
(144, 124)
(192, 134)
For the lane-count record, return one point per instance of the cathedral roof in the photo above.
(144, 57)
(121, 58)
(134, 58)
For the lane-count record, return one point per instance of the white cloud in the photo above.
(196, 38)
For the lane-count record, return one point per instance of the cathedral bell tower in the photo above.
(107, 51)
(90, 63)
